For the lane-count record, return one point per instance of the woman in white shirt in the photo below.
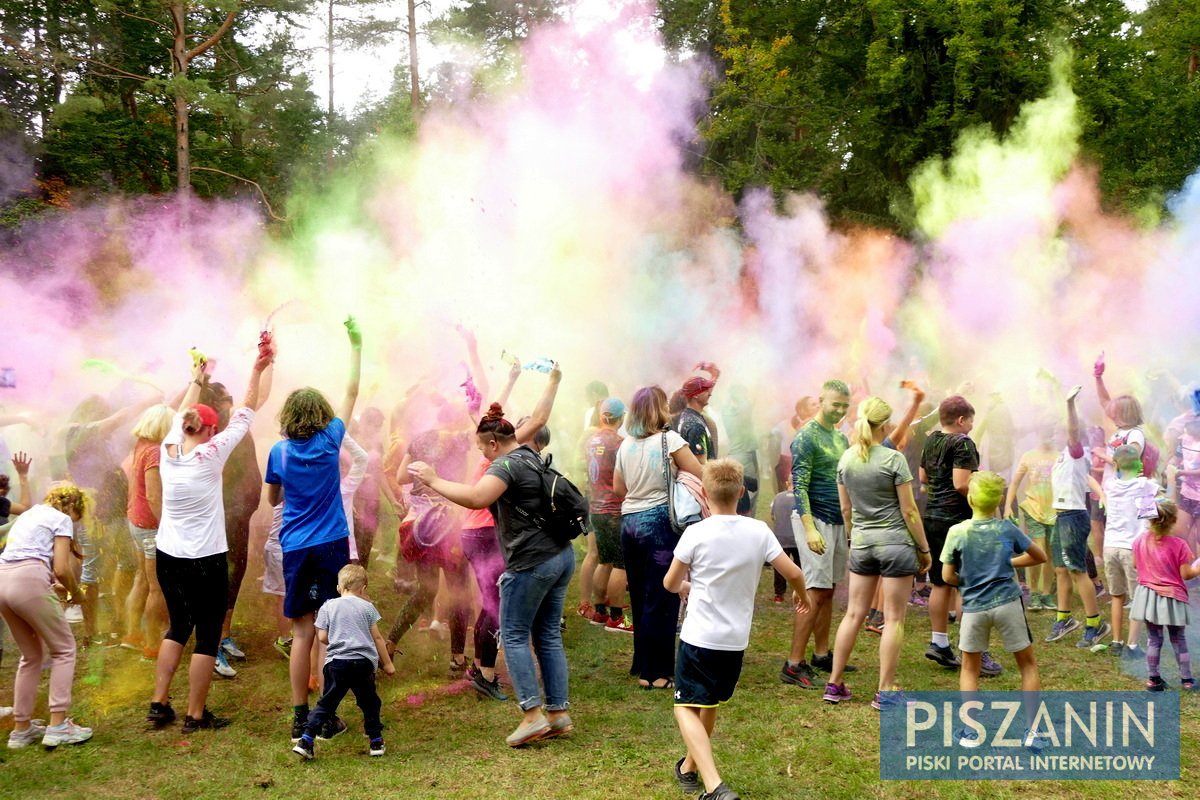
(647, 538)
(36, 565)
(191, 545)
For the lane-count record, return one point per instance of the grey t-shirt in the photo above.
(347, 620)
(871, 484)
(781, 519)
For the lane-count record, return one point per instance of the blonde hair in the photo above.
(872, 414)
(723, 480)
(155, 423)
(1126, 411)
(985, 491)
(648, 412)
(351, 577)
(69, 499)
(1164, 523)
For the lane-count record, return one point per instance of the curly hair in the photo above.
(305, 413)
(69, 499)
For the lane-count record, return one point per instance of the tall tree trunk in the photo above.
(329, 66)
(413, 74)
(179, 69)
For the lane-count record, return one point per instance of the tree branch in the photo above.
(117, 72)
(154, 22)
(261, 193)
(226, 24)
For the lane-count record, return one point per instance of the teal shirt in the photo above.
(982, 551)
(816, 451)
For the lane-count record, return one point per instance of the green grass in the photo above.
(772, 740)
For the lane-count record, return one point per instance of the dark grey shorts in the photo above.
(885, 560)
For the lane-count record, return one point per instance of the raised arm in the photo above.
(1074, 442)
(125, 416)
(1101, 389)
(21, 462)
(541, 412)
(903, 430)
(347, 408)
(260, 377)
(476, 365)
(514, 372)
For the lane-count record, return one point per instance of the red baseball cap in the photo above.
(207, 415)
(693, 387)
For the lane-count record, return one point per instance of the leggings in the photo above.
(482, 550)
(195, 591)
(1178, 643)
(421, 601)
(237, 532)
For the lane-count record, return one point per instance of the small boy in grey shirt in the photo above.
(348, 626)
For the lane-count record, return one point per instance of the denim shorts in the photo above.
(143, 539)
(1068, 540)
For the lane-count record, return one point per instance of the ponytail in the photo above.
(872, 413)
(1164, 523)
(192, 424)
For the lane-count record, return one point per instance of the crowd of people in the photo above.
(156, 501)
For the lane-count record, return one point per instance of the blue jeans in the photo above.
(648, 543)
(531, 604)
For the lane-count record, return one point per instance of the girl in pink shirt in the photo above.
(1163, 563)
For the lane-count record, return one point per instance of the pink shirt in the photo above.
(1158, 562)
(479, 517)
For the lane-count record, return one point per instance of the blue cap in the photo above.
(612, 408)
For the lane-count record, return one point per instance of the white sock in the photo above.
(941, 639)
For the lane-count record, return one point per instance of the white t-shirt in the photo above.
(1133, 436)
(641, 464)
(726, 554)
(1069, 481)
(193, 506)
(32, 535)
(1125, 496)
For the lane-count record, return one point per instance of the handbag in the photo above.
(683, 506)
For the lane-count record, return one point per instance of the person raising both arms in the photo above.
(190, 558)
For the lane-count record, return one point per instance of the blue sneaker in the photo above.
(221, 666)
(969, 738)
(1092, 636)
(1063, 627)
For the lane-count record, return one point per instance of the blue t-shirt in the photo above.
(310, 475)
(982, 551)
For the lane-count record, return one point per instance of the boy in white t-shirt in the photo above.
(725, 554)
(1129, 505)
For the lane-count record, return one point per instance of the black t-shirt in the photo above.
(523, 543)
(5, 507)
(693, 427)
(942, 454)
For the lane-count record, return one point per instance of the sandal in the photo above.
(670, 684)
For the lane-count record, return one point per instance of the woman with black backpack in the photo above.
(538, 569)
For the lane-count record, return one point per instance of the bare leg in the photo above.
(135, 603)
(804, 624)
(862, 590)
(895, 605)
(304, 637)
(200, 672)
(696, 727)
(169, 654)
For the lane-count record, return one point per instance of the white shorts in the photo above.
(828, 569)
(272, 582)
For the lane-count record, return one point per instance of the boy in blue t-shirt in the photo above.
(303, 473)
(980, 557)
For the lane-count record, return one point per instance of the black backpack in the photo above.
(564, 510)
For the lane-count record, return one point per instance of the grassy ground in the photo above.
(773, 740)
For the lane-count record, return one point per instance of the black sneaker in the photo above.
(1155, 683)
(206, 722)
(799, 675)
(377, 748)
(487, 688)
(299, 723)
(161, 714)
(825, 663)
(942, 655)
(333, 727)
(689, 782)
(304, 749)
(722, 792)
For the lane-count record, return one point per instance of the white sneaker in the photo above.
(222, 668)
(66, 733)
(74, 613)
(18, 739)
(229, 646)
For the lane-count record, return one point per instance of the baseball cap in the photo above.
(207, 415)
(612, 408)
(696, 386)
